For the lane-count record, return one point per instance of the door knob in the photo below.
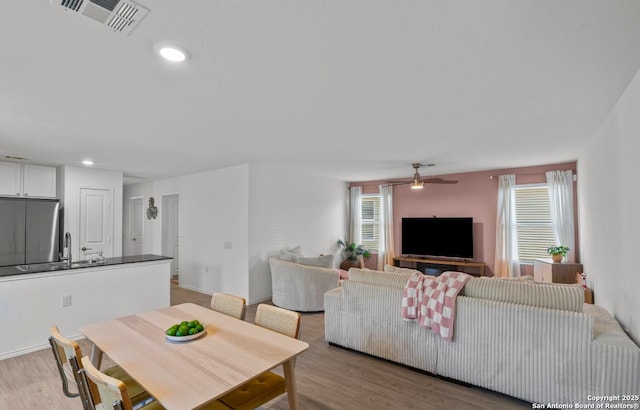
(84, 248)
(134, 239)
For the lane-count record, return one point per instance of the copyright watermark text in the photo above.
(624, 401)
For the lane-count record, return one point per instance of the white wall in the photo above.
(213, 210)
(609, 198)
(70, 181)
(259, 209)
(289, 208)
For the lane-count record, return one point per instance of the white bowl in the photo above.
(188, 337)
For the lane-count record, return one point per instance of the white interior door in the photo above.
(171, 231)
(136, 219)
(96, 223)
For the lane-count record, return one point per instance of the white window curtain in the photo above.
(355, 215)
(506, 262)
(560, 184)
(385, 246)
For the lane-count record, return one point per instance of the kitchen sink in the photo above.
(51, 266)
(40, 267)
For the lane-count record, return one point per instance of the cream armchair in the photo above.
(301, 287)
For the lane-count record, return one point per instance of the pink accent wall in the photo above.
(475, 195)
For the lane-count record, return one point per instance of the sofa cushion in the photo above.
(523, 278)
(323, 261)
(606, 329)
(396, 269)
(525, 292)
(376, 277)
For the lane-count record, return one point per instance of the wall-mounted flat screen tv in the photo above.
(444, 237)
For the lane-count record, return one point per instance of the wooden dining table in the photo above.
(190, 374)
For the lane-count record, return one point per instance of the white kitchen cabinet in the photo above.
(24, 180)
(10, 179)
(38, 181)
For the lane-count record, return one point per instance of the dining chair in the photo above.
(230, 305)
(66, 349)
(114, 394)
(111, 392)
(268, 385)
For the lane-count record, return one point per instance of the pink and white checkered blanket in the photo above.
(431, 301)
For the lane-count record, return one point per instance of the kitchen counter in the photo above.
(82, 264)
(34, 300)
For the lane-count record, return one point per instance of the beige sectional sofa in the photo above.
(537, 342)
(301, 287)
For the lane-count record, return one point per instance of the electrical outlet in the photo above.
(66, 300)
(206, 268)
(227, 245)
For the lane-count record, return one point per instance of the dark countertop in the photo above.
(82, 264)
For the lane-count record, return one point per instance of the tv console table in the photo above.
(415, 262)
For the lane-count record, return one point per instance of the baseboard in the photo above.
(206, 292)
(34, 348)
(20, 352)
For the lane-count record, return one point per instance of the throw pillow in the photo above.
(291, 254)
(288, 256)
(325, 261)
(295, 250)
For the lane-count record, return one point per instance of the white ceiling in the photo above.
(355, 90)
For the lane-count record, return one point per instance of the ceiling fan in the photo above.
(417, 182)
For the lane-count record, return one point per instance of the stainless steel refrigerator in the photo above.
(29, 231)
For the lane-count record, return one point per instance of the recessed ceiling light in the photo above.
(172, 52)
(87, 162)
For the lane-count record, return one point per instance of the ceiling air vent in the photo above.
(119, 15)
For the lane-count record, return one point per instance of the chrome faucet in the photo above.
(67, 245)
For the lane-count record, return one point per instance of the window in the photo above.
(533, 222)
(371, 221)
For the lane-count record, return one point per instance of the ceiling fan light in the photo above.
(417, 184)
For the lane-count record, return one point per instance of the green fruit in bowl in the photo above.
(185, 328)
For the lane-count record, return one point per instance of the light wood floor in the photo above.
(328, 378)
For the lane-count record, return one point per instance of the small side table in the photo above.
(588, 296)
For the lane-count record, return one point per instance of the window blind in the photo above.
(533, 222)
(370, 221)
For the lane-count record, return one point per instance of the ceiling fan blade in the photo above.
(418, 180)
(439, 181)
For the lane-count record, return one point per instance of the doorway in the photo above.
(96, 223)
(171, 232)
(135, 237)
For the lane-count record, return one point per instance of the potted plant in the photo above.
(557, 252)
(353, 254)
